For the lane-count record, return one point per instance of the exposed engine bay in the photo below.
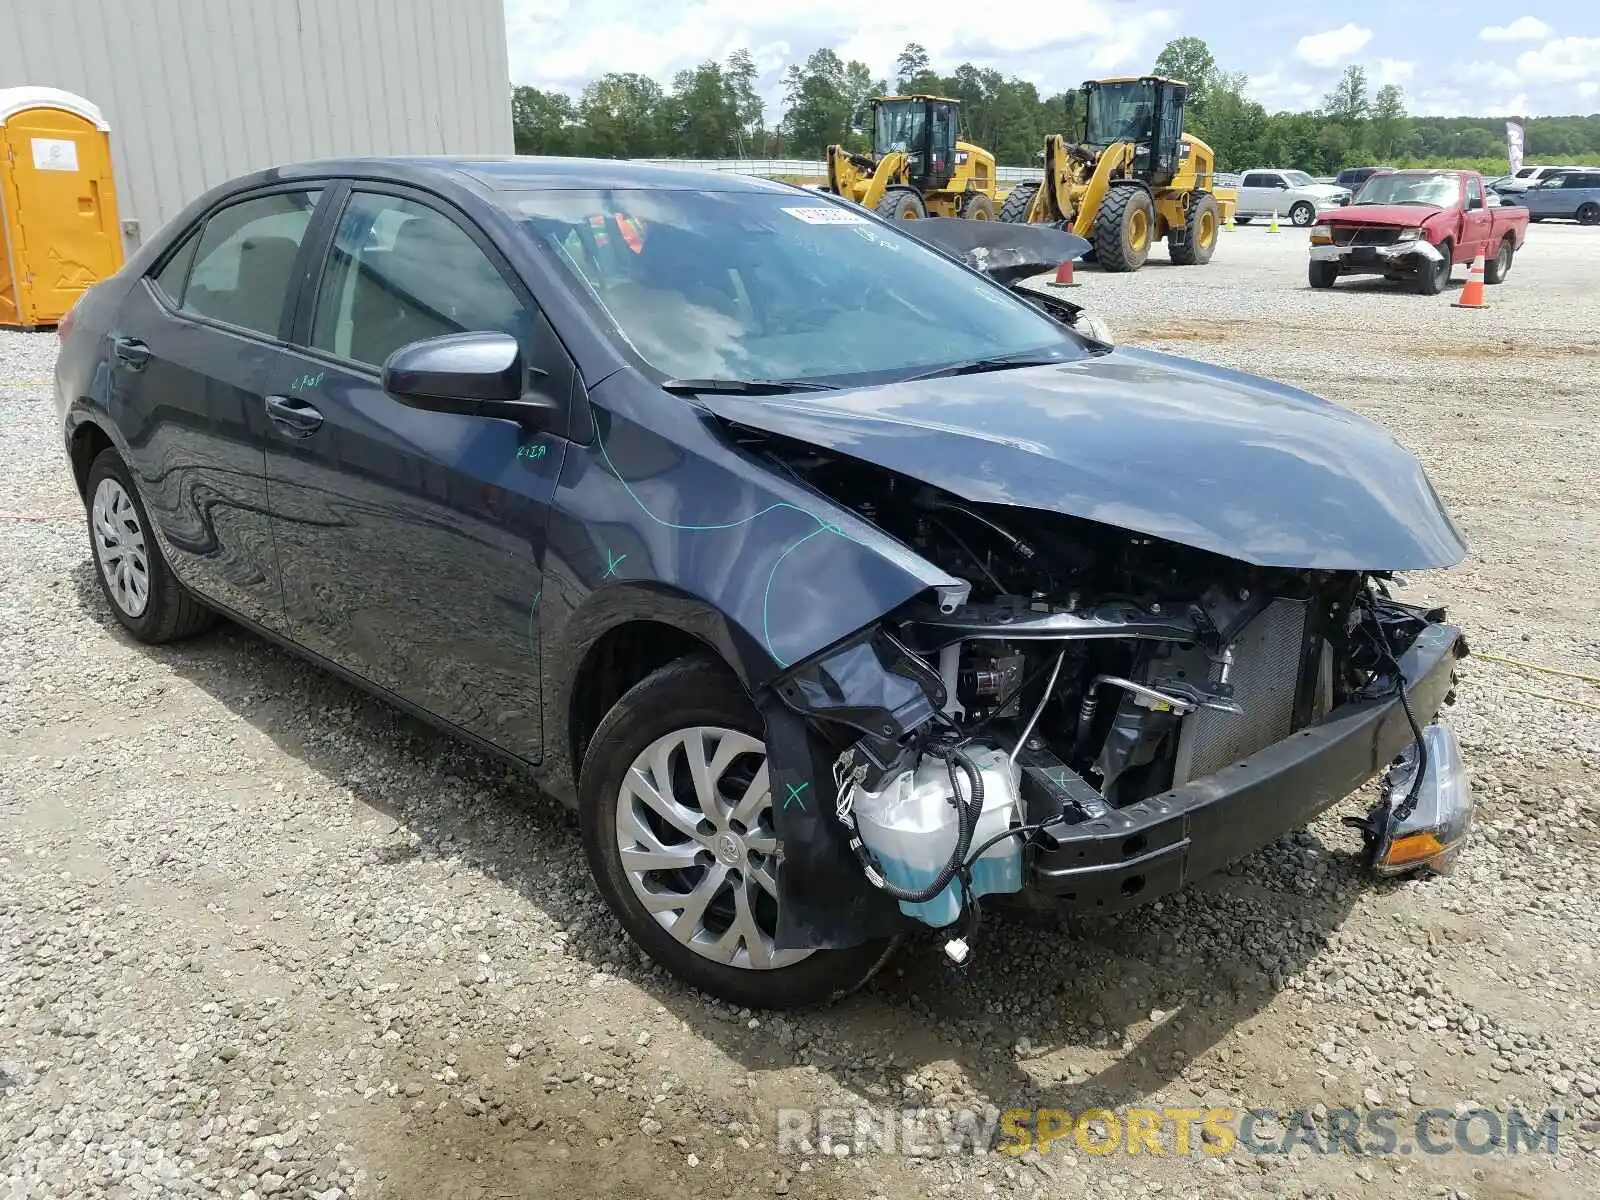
(1088, 670)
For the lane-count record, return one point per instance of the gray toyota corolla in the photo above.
(843, 584)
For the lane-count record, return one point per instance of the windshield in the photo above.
(761, 285)
(1119, 112)
(898, 126)
(1439, 191)
(1299, 179)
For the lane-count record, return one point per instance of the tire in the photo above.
(1238, 220)
(1017, 203)
(1122, 229)
(1323, 274)
(1498, 267)
(1200, 233)
(144, 595)
(698, 694)
(902, 204)
(1433, 278)
(1302, 214)
(975, 206)
(1589, 214)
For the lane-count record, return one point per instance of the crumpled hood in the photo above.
(1147, 442)
(1401, 216)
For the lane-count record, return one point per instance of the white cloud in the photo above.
(1277, 93)
(1565, 60)
(564, 44)
(1392, 70)
(1589, 88)
(1523, 29)
(1330, 48)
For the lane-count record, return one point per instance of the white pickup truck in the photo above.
(1293, 195)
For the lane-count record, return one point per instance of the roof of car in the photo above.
(513, 173)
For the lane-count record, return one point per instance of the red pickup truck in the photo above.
(1416, 225)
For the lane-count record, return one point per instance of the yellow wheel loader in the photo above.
(917, 167)
(1136, 178)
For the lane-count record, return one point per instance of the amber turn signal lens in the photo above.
(1413, 847)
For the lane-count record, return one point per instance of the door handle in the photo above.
(131, 351)
(294, 417)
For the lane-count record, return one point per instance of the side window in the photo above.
(399, 272)
(1580, 181)
(1257, 179)
(170, 278)
(1474, 193)
(244, 262)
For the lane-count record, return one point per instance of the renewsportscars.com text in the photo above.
(1164, 1131)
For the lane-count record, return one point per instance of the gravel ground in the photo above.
(263, 936)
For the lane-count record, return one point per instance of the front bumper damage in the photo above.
(1395, 256)
(1133, 855)
(1088, 857)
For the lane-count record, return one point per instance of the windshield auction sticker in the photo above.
(827, 214)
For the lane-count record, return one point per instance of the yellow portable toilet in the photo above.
(59, 233)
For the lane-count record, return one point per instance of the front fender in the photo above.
(664, 499)
(663, 518)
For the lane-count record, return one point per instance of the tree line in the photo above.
(714, 111)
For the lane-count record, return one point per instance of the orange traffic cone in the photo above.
(1472, 295)
(1064, 275)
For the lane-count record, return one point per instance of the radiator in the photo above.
(1265, 678)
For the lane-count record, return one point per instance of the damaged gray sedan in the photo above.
(844, 585)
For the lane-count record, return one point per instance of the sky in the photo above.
(1452, 57)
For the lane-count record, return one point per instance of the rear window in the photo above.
(761, 285)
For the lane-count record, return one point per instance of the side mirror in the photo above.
(1474, 202)
(1282, 185)
(470, 374)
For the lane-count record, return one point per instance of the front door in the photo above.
(1476, 223)
(61, 210)
(195, 344)
(411, 542)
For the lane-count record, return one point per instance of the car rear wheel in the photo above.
(1589, 214)
(1303, 214)
(678, 828)
(145, 596)
(1498, 267)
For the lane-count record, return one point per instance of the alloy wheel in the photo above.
(119, 547)
(696, 840)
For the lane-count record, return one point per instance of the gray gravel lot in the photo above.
(261, 935)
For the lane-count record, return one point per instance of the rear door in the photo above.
(194, 344)
(412, 542)
(1258, 192)
(1580, 195)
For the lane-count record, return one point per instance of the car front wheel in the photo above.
(678, 827)
(1302, 214)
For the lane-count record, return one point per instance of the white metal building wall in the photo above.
(199, 91)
